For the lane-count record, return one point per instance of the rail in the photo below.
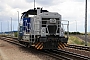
(58, 54)
(86, 48)
(80, 47)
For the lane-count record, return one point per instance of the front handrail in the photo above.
(67, 27)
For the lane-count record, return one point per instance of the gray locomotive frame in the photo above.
(42, 25)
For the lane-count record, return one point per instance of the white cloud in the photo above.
(69, 9)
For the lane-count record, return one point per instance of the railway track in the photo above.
(86, 48)
(46, 52)
(58, 54)
(65, 55)
(12, 41)
(69, 55)
(55, 55)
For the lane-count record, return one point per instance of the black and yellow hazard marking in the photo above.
(65, 44)
(58, 46)
(39, 46)
(61, 45)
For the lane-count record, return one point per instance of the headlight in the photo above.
(52, 20)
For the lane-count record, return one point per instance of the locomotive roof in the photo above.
(33, 12)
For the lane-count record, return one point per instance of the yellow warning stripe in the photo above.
(60, 45)
(41, 47)
(63, 45)
(37, 44)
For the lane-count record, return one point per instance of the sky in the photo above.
(71, 10)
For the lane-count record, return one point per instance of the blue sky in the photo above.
(72, 10)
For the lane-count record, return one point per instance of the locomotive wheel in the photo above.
(27, 45)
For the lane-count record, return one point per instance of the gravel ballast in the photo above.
(10, 51)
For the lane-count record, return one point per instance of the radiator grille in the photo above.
(52, 29)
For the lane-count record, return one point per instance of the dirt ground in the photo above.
(13, 52)
(0, 57)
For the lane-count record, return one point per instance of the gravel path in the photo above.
(0, 57)
(14, 52)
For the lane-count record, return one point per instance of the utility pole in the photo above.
(8, 27)
(11, 26)
(18, 25)
(85, 22)
(68, 29)
(18, 18)
(34, 3)
(76, 27)
(1, 27)
(13, 30)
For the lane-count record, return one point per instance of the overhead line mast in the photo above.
(85, 22)
(34, 3)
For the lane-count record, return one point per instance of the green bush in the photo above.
(74, 33)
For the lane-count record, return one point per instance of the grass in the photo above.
(88, 43)
(89, 34)
(76, 40)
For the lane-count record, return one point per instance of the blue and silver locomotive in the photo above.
(42, 29)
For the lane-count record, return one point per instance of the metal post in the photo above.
(34, 3)
(8, 27)
(68, 30)
(13, 31)
(34, 25)
(18, 18)
(11, 26)
(76, 27)
(86, 23)
(1, 27)
(18, 24)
